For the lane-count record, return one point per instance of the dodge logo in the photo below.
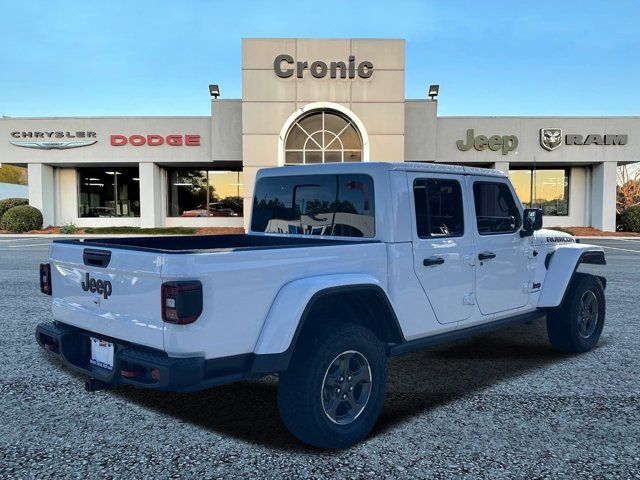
(550, 138)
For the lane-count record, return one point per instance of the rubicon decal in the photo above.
(561, 240)
(153, 140)
(102, 287)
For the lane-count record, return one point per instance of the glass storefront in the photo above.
(110, 192)
(204, 193)
(546, 189)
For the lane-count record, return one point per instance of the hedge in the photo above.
(21, 219)
(8, 203)
(630, 219)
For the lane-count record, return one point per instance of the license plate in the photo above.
(101, 353)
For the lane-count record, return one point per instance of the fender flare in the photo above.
(561, 268)
(289, 311)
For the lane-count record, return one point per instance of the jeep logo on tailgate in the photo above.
(103, 287)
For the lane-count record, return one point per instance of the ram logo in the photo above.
(550, 138)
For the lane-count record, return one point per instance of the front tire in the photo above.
(332, 393)
(576, 326)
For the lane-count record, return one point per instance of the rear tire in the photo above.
(576, 326)
(332, 393)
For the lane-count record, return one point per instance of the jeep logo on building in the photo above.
(102, 287)
(551, 138)
(504, 143)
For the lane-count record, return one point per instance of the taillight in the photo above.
(45, 278)
(181, 302)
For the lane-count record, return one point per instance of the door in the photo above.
(503, 267)
(443, 244)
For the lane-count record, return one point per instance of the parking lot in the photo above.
(501, 405)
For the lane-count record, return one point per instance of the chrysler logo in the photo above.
(550, 138)
(53, 140)
(52, 145)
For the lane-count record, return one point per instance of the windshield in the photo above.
(325, 205)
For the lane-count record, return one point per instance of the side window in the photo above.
(439, 208)
(354, 209)
(496, 210)
(325, 205)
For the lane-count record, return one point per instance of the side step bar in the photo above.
(420, 343)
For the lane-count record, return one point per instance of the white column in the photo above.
(503, 166)
(41, 191)
(151, 205)
(603, 196)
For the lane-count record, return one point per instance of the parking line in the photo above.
(20, 239)
(23, 246)
(621, 249)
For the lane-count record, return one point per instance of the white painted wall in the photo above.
(12, 190)
(603, 200)
(41, 191)
(66, 196)
(151, 205)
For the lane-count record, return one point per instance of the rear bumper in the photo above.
(140, 366)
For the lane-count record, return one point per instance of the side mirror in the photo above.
(532, 221)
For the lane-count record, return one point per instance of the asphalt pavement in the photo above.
(500, 405)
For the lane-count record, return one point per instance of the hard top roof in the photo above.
(364, 167)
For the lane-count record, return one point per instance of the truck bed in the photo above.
(210, 243)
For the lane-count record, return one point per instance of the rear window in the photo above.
(323, 205)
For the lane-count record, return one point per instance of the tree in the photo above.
(628, 189)
(11, 174)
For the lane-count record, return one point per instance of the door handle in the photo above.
(486, 256)
(427, 262)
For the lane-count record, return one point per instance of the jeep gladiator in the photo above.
(344, 266)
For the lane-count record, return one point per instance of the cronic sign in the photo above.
(285, 66)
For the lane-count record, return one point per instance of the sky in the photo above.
(79, 58)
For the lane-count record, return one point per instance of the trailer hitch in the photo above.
(94, 385)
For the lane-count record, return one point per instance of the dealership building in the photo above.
(305, 101)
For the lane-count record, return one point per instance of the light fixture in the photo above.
(433, 91)
(214, 91)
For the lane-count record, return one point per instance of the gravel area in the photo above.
(501, 405)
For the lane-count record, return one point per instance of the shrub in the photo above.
(68, 228)
(8, 203)
(21, 219)
(630, 218)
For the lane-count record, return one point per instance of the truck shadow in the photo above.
(417, 383)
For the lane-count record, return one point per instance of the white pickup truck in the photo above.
(344, 266)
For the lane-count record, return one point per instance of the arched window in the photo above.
(322, 136)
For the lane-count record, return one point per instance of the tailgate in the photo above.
(111, 291)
